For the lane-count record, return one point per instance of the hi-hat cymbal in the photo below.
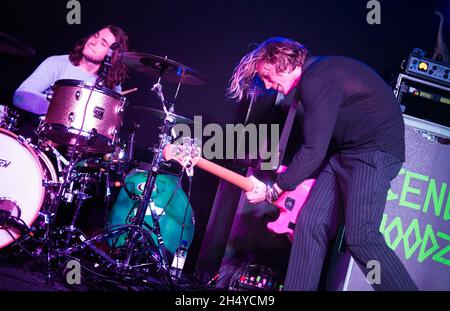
(156, 66)
(161, 114)
(13, 46)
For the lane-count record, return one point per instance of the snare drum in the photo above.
(80, 108)
(22, 173)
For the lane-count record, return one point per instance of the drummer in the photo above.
(83, 63)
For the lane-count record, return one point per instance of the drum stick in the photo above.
(129, 91)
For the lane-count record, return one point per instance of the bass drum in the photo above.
(22, 172)
(169, 201)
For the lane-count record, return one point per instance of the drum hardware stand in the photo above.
(136, 230)
(157, 161)
(81, 196)
(129, 151)
(10, 123)
(50, 237)
(52, 241)
(137, 234)
(74, 159)
(59, 159)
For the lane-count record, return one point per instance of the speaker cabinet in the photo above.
(416, 222)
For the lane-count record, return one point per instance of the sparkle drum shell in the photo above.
(66, 116)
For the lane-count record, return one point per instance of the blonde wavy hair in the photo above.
(283, 53)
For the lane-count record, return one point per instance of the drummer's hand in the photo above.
(258, 194)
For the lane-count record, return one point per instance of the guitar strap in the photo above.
(292, 112)
(287, 128)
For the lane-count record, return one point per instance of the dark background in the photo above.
(211, 37)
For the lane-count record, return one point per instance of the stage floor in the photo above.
(23, 273)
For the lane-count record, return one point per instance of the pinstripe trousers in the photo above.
(358, 183)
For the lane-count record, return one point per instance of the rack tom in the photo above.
(79, 109)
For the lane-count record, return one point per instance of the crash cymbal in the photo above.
(161, 114)
(13, 46)
(156, 66)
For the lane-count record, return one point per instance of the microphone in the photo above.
(106, 63)
(7, 220)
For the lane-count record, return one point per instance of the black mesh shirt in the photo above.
(347, 108)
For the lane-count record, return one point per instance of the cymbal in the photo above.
(156, 66)
(161, 114)
(14, 46)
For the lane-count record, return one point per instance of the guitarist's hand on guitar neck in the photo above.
(289, 202)
(259, 191)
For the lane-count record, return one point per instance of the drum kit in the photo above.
(79, 146)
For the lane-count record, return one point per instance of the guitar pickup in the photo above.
(289, 204)
(291, 226)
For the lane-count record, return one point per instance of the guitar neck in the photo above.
(230, 176)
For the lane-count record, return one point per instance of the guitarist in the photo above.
(353, 135)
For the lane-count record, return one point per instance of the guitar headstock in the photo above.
(187, 152)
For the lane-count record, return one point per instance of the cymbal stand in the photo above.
(157, 88)
(165, 138)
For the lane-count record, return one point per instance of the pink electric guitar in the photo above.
(289, 203)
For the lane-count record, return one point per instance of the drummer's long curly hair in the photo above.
(118, 72)
(283, 53)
